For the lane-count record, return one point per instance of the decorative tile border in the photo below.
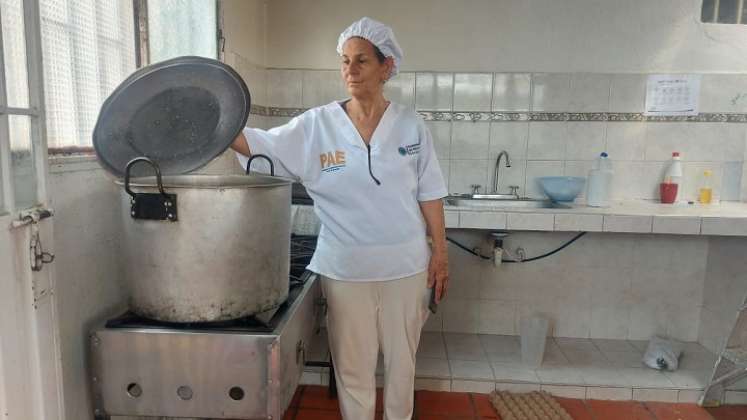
(532, 116)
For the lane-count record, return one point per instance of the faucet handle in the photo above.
(514, 190)
(475, 188)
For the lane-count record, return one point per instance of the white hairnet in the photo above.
(376, 33)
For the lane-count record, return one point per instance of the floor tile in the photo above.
(517, 387)
(729, 412)
(290, 414)
(629, 359)
(317, 397)
(501, 348)
(563, 375)
(483, 406)
(646, 378)
(576, 408)
(296, 400)
(697, 361)
(666, 411)
(575, 344)
(609, 393)
(475, 386)
(427, 384)
(689, 396)
(592, 357)
(641, 345)
(464, 347)
(553, 356)
(314, 414)
(469, 369)
(689, 379)
(443, 403)
(655, 394)
(607, 376)
(606, 345)
(567, 391)
(432, 345)
(510, 373)
(426, 367)
(619, 410)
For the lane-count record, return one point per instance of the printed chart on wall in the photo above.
(672, 94)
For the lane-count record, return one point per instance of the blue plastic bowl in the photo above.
(562, 188)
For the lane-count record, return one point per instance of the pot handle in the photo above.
(265, 157)
(150, 206)
(132, 163)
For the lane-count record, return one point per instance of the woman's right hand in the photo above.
(240, 145)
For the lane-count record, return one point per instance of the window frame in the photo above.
(35, 111)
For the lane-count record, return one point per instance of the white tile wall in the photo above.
(511, 91)
(473, 91)
(589, 92)
(470, 140)
(641, 150)
(627, 92)
(547, 141)
(434, 91)
(322, 87)
(551, 92)
(284, 88)
(401, 89)
(585, 140)
(603, 286)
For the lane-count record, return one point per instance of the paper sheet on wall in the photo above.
(672, 94)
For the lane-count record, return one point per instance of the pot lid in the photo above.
(180, 113)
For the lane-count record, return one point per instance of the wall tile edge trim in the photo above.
(533, 116)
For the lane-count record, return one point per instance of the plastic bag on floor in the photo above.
(662, 354)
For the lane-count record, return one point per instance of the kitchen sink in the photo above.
(499, 201)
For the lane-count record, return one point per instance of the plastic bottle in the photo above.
(672, 179)
(600, 182)
(705, 193)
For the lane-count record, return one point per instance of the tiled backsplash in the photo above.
(549, 123)
(617, 286)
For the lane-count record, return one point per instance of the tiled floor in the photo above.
(573, 368)
(313, 403)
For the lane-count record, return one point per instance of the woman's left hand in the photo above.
(438, 273)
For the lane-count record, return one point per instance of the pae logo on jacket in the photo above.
(332, 161)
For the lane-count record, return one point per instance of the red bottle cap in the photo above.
(675, 154)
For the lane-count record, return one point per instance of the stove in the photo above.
(240, 369)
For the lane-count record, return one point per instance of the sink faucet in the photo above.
(497, 168)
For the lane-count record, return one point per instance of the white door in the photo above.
(30, 372)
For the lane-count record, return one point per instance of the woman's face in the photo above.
(361, 70)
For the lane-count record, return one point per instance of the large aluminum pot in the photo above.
(223, 254)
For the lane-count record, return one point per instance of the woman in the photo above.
(371, 169)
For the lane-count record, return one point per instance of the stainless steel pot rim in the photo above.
(210, 181)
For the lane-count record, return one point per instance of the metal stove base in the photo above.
(165, 373)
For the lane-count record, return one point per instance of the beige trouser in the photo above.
(363, 317)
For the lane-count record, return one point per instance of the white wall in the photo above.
(244, 28)
(88, 268)
(724, 290)
(507, 35)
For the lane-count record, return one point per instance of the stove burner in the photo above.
(253, 323)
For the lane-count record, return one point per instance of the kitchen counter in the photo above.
(631, 216)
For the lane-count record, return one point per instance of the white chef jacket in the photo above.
(369, 231)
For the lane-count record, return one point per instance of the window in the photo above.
(182, 27)
(90, 46)
(724, 11)
(88, 49)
